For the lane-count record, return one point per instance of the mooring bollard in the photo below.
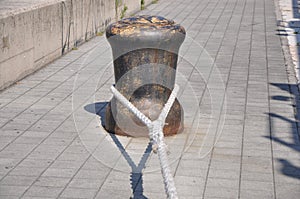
(145, 52)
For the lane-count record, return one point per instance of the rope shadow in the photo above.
(136, 175)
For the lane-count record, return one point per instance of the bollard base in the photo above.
(149, 106)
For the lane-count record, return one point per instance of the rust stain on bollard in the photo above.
(145, 42)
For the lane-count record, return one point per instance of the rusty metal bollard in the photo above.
(145, 52)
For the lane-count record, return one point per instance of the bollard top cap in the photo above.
(136, 25)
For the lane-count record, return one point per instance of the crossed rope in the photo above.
(156, 135)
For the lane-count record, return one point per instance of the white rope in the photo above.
(156, 135)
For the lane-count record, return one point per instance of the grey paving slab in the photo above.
(78, 193)
(39, 191)
(48, 181)
(12, 190)
(18, 180)
(52, 143)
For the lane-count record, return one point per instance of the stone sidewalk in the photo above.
(241, 141)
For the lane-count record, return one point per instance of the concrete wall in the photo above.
(148, 2)
(32, 38)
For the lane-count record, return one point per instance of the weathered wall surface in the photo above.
(147, 2)
(32, 37)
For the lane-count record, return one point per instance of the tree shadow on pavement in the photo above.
(136, 176)
(287, 168)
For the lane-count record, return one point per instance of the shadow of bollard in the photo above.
(136, 175)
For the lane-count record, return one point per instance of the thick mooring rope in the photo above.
(156, 135)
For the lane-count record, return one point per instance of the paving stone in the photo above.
(224, 165)
(73, 157)
(222, 183)
(39, 191)
(11, 133)
(38, 156)
(256, 176)
(78, 193)
(8, 163)
(7, 190)
(287, 191)
(108, 193)
(224, 173)
(66, 164)
(44, 149)
(18, 180)
(257, 185)
(218, 192)
(48, 181)
(92, 174)
(86, 183)
(7, 139)
(6, 153)
(63, 134)
(249, 194)
(20, 148)
(185, 190)
(60, 172)
(28, 140)
(33, 134)
(58, 141)
(27, 171)
(93, 164)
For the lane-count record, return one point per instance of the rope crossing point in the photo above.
(156, 135)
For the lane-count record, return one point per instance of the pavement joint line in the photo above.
(269, 105)
(246, 100)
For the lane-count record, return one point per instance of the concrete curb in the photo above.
(291, 56)
(290, 66)
(35, 34)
